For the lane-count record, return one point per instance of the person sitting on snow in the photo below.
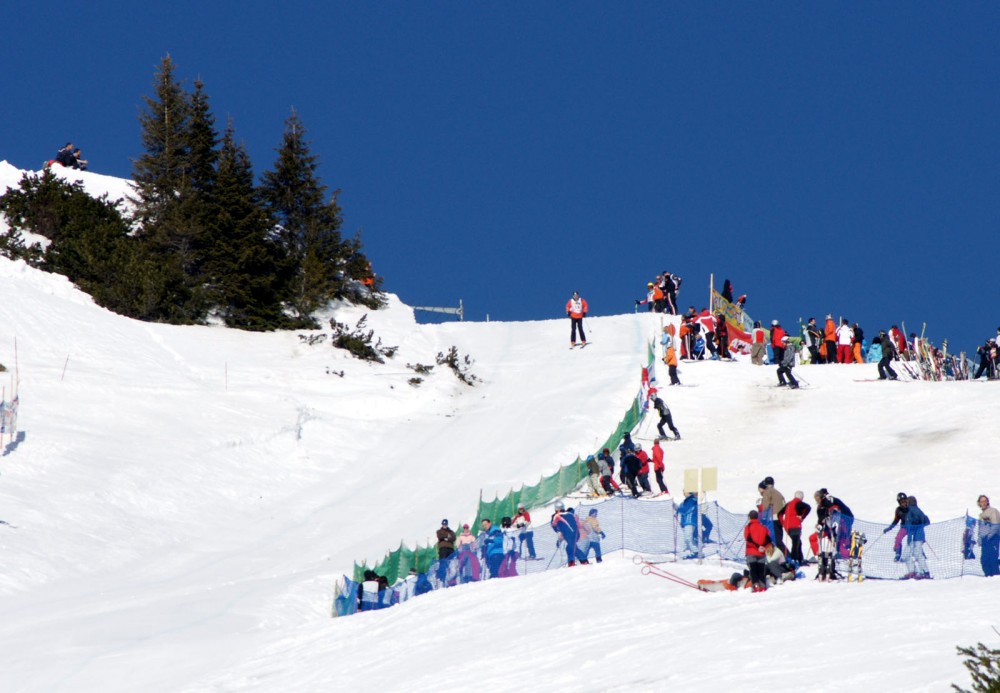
(65, 155)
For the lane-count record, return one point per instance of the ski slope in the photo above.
(184, 498)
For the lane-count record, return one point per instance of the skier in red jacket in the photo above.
(576, 310)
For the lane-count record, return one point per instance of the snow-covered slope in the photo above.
(185, 497)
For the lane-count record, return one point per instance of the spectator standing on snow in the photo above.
(915, 522)
(630, 465)
(563, 523)
(899, 518)
(989, 537)
(665, 417)
(777, 344)
(658, 466)
(687, 514)
(594, 535)
(888, 352)
(772, 503)
(522, 522)
(786, 364)
(757, 540)
(643, 474)
(491, 546)
(606, 466)
(845, 337)
(670, 353)
(859, 341)
(791, 517)
(830, 339)
(508, 564)
(576, 310)
(722, 335)
(758, 346)
(813, 338)
(671, 285)
(445, 540)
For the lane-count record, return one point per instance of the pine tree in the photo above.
(309, 224)
(245, 265)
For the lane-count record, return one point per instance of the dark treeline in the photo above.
(203, 240)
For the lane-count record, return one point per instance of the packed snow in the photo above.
(181, 501)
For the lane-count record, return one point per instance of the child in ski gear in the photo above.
(658, 466)
(899, 518)
(522, 521)
(665, 417)
(787, 363)
(791, 517)
(594, 536)
(576, 311)
(989, 537)
(777, 569)
(914, 523)
(757, 541)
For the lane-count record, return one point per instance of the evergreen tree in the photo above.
(309, 224)
(245, 264)
(204, 142)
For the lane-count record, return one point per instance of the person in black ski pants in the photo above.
(888, 353)
(665, 418)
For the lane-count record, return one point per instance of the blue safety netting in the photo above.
(950, 549)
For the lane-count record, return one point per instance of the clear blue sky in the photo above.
(826, 158)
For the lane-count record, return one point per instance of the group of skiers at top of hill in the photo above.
(70, 157)
(661, 294)
(989, 358)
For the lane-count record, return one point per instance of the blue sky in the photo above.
(840, 159)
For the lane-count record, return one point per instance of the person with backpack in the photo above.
(576, 311)
(915, 522)
(665, 417)
(757, 542)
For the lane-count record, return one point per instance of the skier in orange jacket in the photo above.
(576, 309)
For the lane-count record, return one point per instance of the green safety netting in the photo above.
(548, 488)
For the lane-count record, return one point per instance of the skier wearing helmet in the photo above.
(899, 518)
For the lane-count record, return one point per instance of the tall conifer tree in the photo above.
(309, 223)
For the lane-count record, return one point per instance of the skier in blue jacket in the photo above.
(687, 511)
(490, 541)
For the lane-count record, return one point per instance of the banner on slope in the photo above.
(738, 323)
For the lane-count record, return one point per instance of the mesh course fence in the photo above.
(399, 562)
(950, 549)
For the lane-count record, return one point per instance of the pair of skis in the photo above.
(653, 569)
